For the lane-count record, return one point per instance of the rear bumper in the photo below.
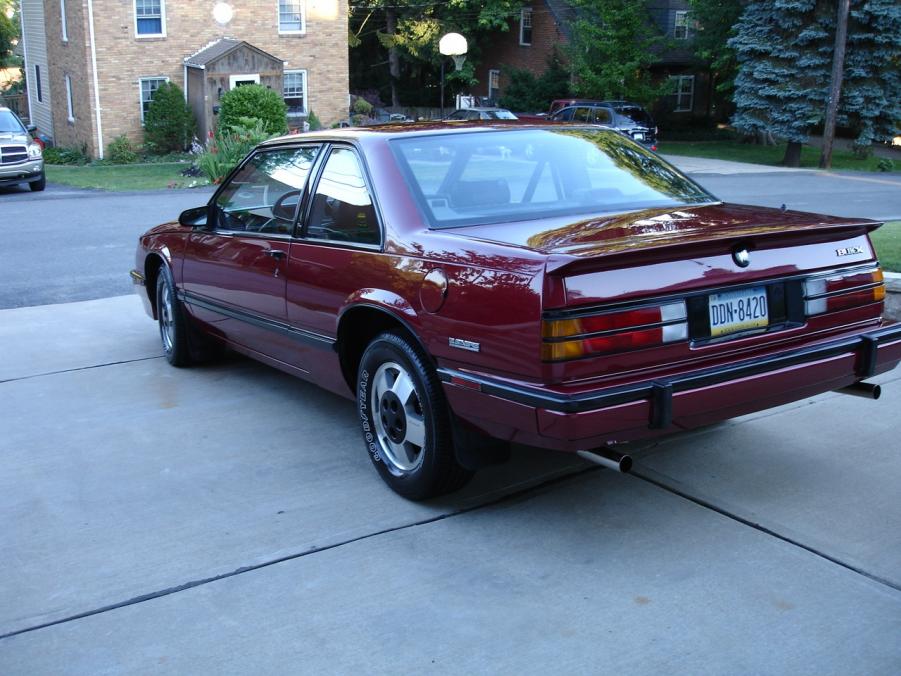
(553, 419)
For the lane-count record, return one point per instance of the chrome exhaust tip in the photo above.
(618, 462)
(862, 389)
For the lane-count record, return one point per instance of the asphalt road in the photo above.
(67, 244)
(227, 520)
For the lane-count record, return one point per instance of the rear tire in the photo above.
(405, 422)
(40, 184)
(171, 319)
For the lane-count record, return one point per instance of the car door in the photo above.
(339, 249)
(234, 270)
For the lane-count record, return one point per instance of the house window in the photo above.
(525, 26)
(149, 85)
(494, 80)
(37, 83)
(290, 16)
(62, 17)
(69, 109)
(681, 26)
(150, 18)
(295, 91)
(684, 93)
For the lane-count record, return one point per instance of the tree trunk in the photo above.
(838, 65)
(792, 154)
(393, 56)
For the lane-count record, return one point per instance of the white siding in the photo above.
(35, 42)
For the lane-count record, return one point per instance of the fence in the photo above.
(18, 103)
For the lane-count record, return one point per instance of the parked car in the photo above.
(21, 157)
(473, 114)
(629, 118)
(475, 285)
(557, 104)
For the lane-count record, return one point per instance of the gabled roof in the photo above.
(564, 14)
(222, 47)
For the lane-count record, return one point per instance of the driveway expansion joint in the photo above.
(80, 368)
(659, 481)
(507, 497)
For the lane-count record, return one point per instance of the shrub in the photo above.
(257, 102)
(169, 122)
(121, 151)
(229, 146)
(885, 164)
(58, 155)
(362, 107)
(527, 93)
(314, 122)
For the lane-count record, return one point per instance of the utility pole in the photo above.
(838, 67)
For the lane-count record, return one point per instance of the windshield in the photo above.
(499, 176)
(10, 123)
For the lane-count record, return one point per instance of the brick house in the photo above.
(92, 65)
(543, 26)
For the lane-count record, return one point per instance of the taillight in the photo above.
(614, 331)
(833, 292)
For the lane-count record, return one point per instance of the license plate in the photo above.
(638, 137)
(738, 311)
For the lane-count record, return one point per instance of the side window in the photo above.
(582, 115)
(342, 209)
(602, 116)
(263, 195)
(566, 115)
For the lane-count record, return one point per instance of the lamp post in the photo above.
(453, 45)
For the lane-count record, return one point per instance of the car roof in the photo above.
(424, 129)
(484, 109)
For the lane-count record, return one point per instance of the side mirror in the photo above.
(194, 218)
(31, 128)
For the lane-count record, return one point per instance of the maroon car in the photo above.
(558, 286)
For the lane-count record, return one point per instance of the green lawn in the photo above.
(125, 176)
(887, 241)
(756, 154)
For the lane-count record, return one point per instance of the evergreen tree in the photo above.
(784, 50)
(871, 93)
(169, 122)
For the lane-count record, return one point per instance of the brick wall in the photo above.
(123, 58)
(70, 57)
(505, 50)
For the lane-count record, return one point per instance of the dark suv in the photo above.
(630, 118)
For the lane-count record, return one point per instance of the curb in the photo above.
(892, 282)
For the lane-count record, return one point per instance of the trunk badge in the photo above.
(849, 251)
(741, 256)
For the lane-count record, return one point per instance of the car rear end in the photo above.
(630, 358)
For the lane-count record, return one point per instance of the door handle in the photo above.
(277, 254)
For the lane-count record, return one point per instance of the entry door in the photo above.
(235, 271)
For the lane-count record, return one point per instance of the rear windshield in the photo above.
(10, 123)
(502, 115)
(499, 176)
(636, 114)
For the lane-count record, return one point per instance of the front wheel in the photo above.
(40, 184)
(171, 318)
(404, 420)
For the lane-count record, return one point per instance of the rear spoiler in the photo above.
(661, 245)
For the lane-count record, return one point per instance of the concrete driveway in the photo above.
(226, 519)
